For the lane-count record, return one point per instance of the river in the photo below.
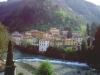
(18, 56)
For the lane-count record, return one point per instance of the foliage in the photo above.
(9, 61)
(91, 12)
(20, 73)
(4, 38)
(59, 49)
(78, 72)
(97, 39)
(93, 29)
(84, 45)
(69, 34)
(45, 68)
(41, 15)
(88, 30)
(69, 49)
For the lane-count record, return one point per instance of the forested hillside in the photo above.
(88, 10)
(43, 14)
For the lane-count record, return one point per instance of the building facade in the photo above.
(43, 45)
(54, 31)
(16, 37)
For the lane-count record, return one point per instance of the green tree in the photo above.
(93, 29)
(45, 68)
(9, 70)
(97, 39)
(4, 38)
(69, 35)
(88, 31)
(69, 49)
(20, 73)
(84, 45)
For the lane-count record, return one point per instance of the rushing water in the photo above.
(20, 57)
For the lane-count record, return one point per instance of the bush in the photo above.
(45, 68)
(69, 50)
(20, 73)
(79, 72)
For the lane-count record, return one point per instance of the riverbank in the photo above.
(91, 57)
(59, 69)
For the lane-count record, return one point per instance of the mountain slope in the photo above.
(88, 10)
(43, 14)
(39, 14)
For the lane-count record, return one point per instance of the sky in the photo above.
(97, 2)
(2, 0)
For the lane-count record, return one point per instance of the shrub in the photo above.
(20, 73)
(79, 72)
(45, 68)
(69, 49)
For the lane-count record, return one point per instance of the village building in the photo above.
(48, 35)
(54, 31)
(43, 45)
(64, 33)
(29, 40)
(27, 33)
(56, 43)
(16, 37)
(74, 33)
(64, 43)
(70, 42)
(79, 38)
(37, 34)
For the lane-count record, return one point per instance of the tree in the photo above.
(69, 34)
(88, 31)
(93, 29)
(4, 38)
(69, 49)
(84, 45)
(97, 39)
(9, 70)
(45, 68)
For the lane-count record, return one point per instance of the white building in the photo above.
(43, 45)
(79, 38)
(16, 37)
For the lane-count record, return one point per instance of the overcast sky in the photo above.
(2, 0)
(97, 2)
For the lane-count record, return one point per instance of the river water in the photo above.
(20, 57)
(60, 66)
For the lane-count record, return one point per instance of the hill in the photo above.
(43, 14)
(88, 10)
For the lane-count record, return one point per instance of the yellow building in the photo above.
(71, 42)
(56, 43)
(64, 43)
